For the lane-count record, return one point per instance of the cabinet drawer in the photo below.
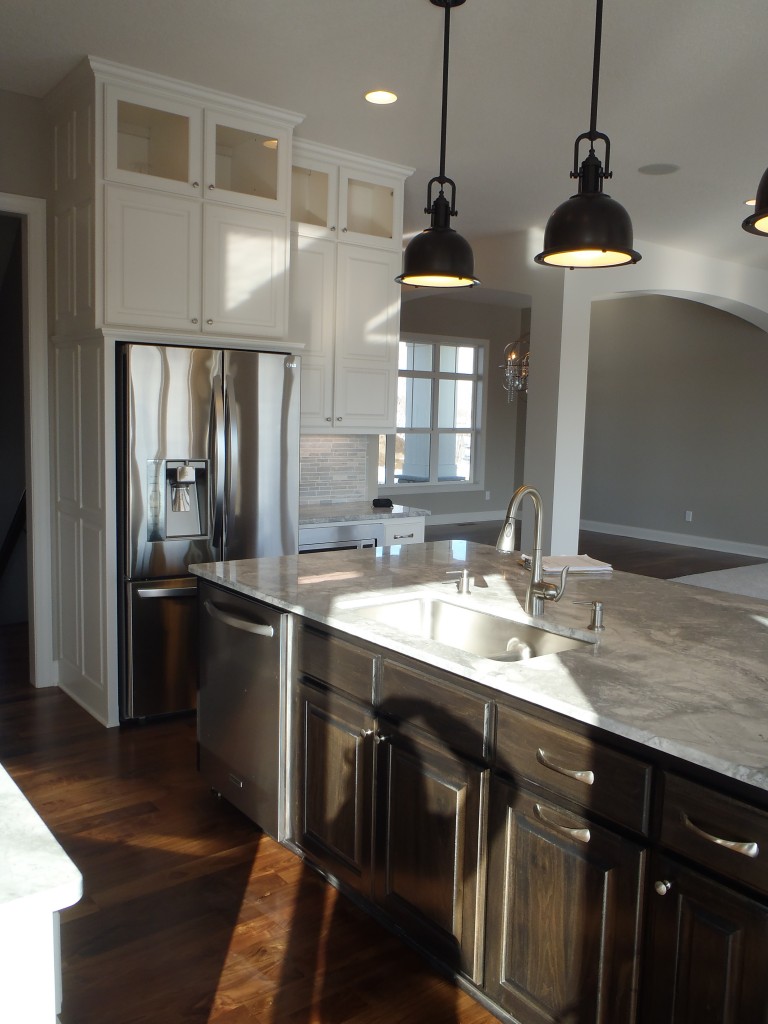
(581, 769)
(459, 719)
(337, 663)
(406, 531)
(717, 831)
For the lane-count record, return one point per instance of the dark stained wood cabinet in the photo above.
(707, 957)
(429, 865)
(563, 913)
(515, 845)
(333, 762)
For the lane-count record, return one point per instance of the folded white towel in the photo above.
(553, 565)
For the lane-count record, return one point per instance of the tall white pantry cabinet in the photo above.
(169, 221)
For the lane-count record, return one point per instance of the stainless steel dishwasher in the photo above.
(241, 703)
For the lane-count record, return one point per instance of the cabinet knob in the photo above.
(327, 419)
(209, 322)
(662, 887)
(381, 739)
(338, 419)
(333, 227)
(365, 733)
(344, 230)
(211, 188)
(195, 184)
(194, 320)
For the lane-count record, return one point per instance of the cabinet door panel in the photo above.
(245, 272)
(367, 335)
(152, 259)
(563, 917)
(333, 779)
(706, 958)
(428, 857)
(312, 308)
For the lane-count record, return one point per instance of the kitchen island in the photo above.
(623, 781)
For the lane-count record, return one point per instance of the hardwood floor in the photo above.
(627, 554)
(190, 914)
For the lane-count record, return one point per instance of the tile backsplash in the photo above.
(333, 469)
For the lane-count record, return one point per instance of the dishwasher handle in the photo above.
(167, 592)
(258, 628)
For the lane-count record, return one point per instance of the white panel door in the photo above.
(311, 323)
(153, 256)
(245, 272)
(367, 336)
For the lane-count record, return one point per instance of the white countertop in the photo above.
(678, 668)
(35, 872)
(352, 512)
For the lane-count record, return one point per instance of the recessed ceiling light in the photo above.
(750, 202)
(381, 97)
(269, 143)
(659, 168)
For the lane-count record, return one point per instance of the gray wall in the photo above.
(504, 423)
(676, 420)
(25, 150)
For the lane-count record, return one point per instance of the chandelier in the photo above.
(515, 367)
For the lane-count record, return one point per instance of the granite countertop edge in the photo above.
(350, 512)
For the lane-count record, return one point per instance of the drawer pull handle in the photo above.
(582, 834)
(586, 777)
(746, 849)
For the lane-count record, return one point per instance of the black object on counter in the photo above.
(382, 503)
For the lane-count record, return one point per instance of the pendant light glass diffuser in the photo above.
(757, 223)
(439, 257)
(590, 229)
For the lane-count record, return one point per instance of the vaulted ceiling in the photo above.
(682, 83)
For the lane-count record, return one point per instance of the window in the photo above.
(439, 414)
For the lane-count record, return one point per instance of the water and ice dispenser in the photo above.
(178, 498)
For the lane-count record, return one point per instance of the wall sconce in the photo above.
(515, 367)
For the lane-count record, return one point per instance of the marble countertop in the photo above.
(677, 668)
(35, 873)
(353, 511)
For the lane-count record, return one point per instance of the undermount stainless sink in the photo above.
(468, 629)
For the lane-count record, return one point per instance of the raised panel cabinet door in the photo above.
(367, 337)
(333, 778)
(429, 864)
(311, 323)
(563, 914)
(152, 256)
(707, 955)
(245, 272)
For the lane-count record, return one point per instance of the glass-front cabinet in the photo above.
(166, 143)
(333, 196)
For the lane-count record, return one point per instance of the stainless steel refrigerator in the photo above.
(208, 469)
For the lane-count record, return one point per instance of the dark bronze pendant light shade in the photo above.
(757, 223)
(590, 229)
(439, 257)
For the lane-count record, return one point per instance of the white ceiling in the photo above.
(682, 82)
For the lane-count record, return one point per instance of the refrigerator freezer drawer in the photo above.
(161, 670)
(241, 703)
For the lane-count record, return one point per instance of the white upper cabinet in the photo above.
(346, 214)
(345, 196)
(179, 219)
(159, 141)
(154, 141)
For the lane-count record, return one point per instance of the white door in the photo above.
(245, 270)
(152, 255)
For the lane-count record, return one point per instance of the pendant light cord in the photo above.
(444, 119)
(596, 70)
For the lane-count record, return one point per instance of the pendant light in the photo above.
(439, 257)
(590, 229)
(757, 223)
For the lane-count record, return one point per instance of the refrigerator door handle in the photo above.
(233, 454)
(167, 592)
(238, 623)
(217, 462)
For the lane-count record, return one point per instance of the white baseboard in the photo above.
(683, 539)
(451, 518)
